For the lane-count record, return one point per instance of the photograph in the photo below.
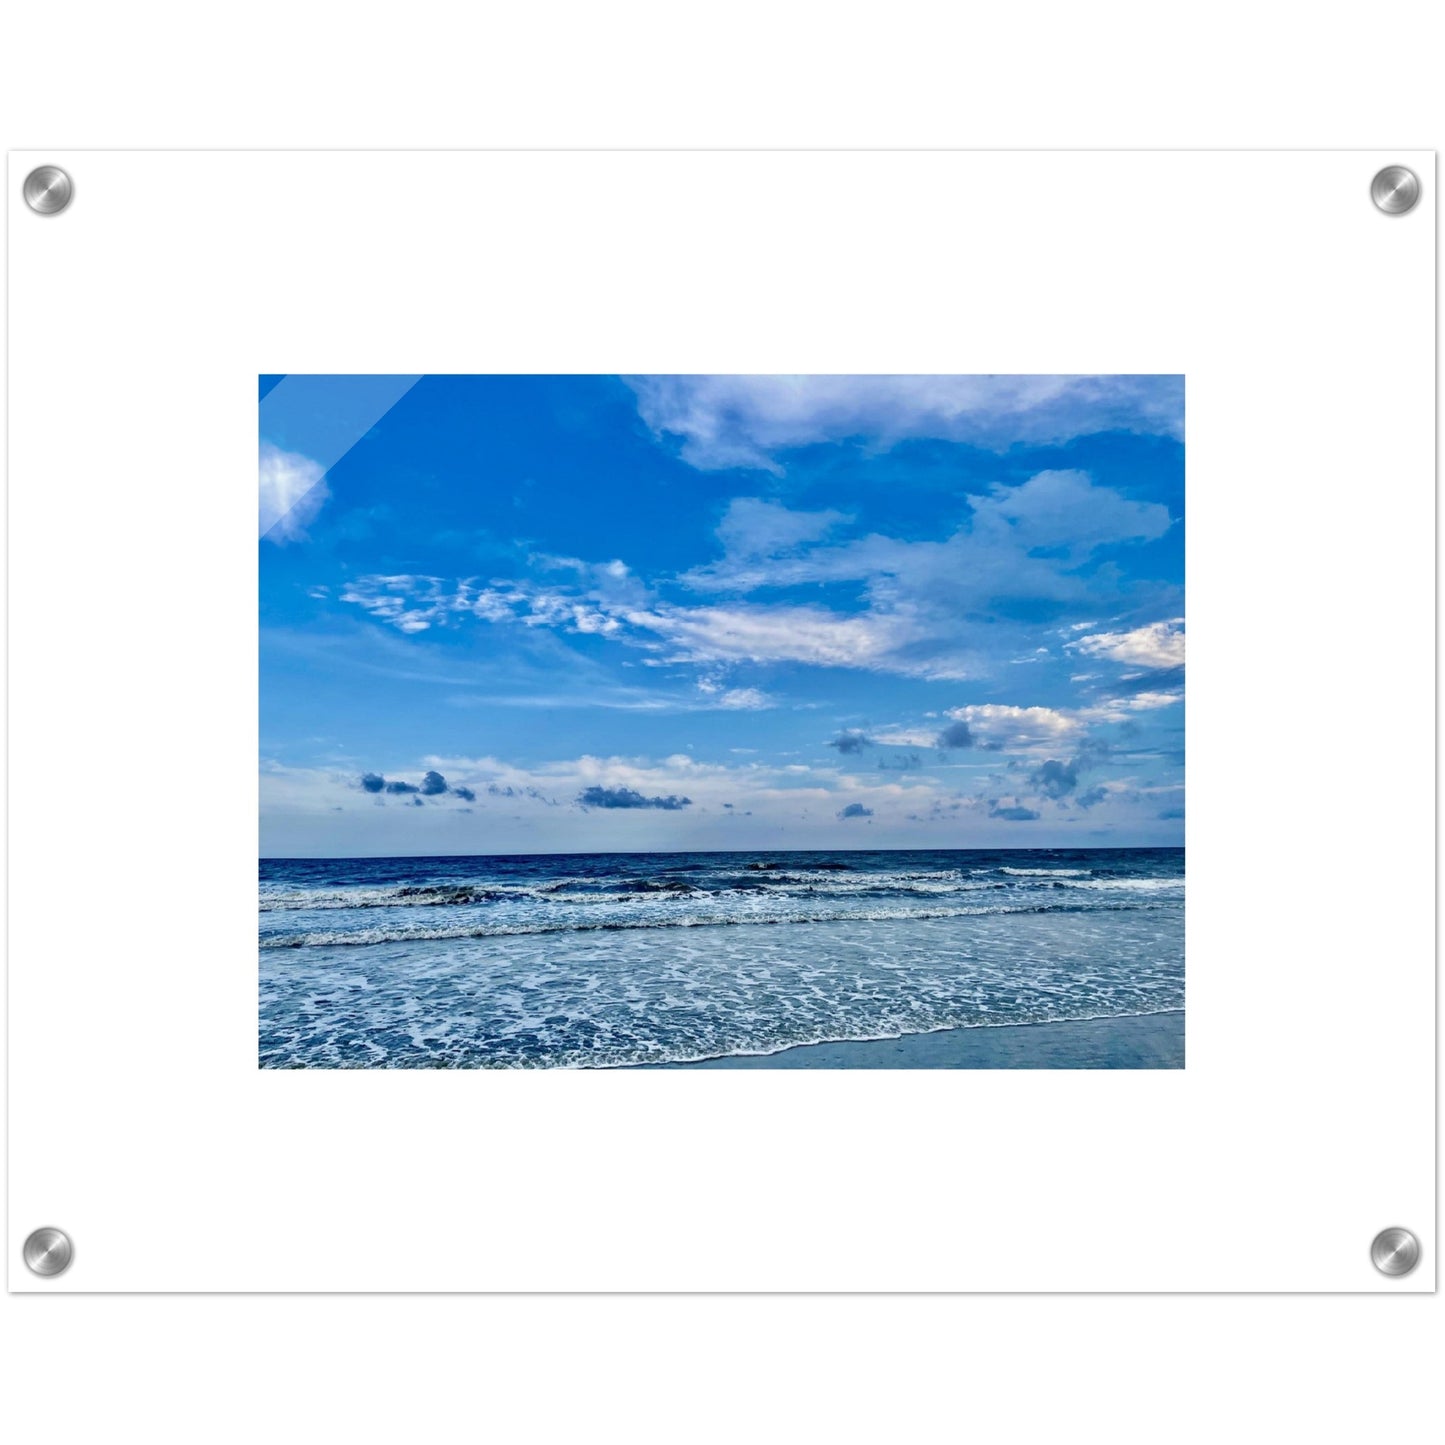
(721, 721)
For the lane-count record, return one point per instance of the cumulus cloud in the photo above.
(750, 421)
(1000, 725)
(850, 740)
(956, 735)
(855, 810)
(432, 785)
(600, 797)
(1158, 645)
(1057, 779)
(292, 491)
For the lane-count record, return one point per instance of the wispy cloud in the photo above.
(753, 421)
(1024, 542)
(1009, 541)
(745, 633)
(733, 699)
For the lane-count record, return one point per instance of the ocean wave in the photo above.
(776, 881)
(285, 1053)
(1130, 885)
(594, 892)
(369, 936)
(408, 896)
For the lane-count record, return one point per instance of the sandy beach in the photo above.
(1153, 1041)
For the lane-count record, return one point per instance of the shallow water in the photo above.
(606, 960)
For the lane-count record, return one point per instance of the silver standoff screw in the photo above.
(48, 1251)
(1395, 1251)
(1395, 190)
(48, 190)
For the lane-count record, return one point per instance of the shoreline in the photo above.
(1140, 1041)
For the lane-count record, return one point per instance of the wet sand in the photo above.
(1153, 1041)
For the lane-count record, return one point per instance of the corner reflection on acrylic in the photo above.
(722, 721)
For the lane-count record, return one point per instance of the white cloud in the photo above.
(1006, 728)
(744, 421)
(1012, 542)
(1017, 728)
(1118, 709)
(1158, 645)
(292, 491)
(408, 603)
(1064, 510)
(705, 635)
(754, 528)
(906, 737)
(414, 604)
(746, 699)
(774, 634)
(1148, 701)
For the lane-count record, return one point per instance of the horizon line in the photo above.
(675, 852)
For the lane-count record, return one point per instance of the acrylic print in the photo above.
(722, 722)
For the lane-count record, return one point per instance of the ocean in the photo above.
(616, 959)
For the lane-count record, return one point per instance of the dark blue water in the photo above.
(598, 960)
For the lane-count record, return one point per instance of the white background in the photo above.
(650, 1364)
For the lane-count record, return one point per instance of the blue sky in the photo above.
(573, 614)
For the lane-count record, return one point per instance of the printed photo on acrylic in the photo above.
(737, 722)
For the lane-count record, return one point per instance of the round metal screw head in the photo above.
(48, 190)
(1395, 190)
(1395, 1251)
(48, 1251)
